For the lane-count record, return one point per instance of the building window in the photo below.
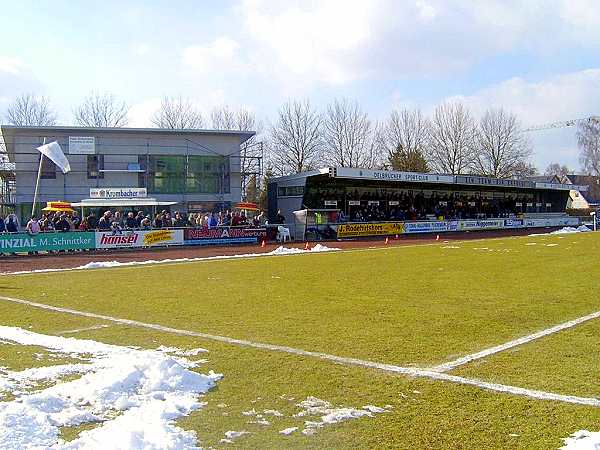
(208, 175)
(95, 167)
(48, 169)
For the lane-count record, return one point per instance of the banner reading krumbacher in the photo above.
(369, 229)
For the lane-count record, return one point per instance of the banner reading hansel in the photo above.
(154, 238)
(24, 242)
(369, 229)
(223, 235)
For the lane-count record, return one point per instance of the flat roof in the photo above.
(431, 178)
(12, 130)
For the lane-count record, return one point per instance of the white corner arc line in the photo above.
(409, 371)
(520, 341)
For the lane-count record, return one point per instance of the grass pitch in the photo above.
(418, 306)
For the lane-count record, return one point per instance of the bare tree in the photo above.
(525, 169)
(102, 110)
(177, 113)
(347, 135)
(588, 138)
(555, 169)
(27, 110)
(405, 140)
(500, 145)
(450, 139)
(224, 118)
(295, 139)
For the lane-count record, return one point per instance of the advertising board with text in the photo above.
(154, 238)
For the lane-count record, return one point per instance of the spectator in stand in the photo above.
(84, 226)
(167, 219)
(180, 222)
(92, 221)
(76, 220)
(115, 227)
(280, 219)
(212, 221)
(139, 218)
(146, 223)
(12, 225)
(33, 227)
(158, 221)
(262, 219)
(2, 225)
(235, 219)
(118, 218)
(130, 221)
(104, 222)
(62, 224)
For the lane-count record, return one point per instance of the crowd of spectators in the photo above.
(418, 207)
(119, 221)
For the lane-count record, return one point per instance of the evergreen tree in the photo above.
(408, 160)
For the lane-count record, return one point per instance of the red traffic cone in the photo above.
(263, 244)
(396, 236)
(387, 240)
(306, 246)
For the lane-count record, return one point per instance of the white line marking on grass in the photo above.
(520, 341)
(409, 371)
(79, 330)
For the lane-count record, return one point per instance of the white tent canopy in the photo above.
(119, 202)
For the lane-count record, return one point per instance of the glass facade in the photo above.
(184, 174)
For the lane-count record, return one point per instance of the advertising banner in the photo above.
(485, 224)
(513, 223)
(346, 230)
(154, 238)
(116, 193)
(425, 227)
(224, 235)
(23, 242)
(82, 145)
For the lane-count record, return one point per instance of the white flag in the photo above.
(56, 155)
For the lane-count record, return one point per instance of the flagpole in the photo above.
(37, 182)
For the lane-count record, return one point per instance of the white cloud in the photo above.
(221, 54)
(10, 65)
(563, 97)
(140, 114)
(141, 48)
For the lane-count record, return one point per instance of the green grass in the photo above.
(566, 362)
(419, 306)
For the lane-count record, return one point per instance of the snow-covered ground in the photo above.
(565, 230)
(582, 440)
(135, 395)
(279, 251)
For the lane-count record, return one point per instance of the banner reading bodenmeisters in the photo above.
(369, 229)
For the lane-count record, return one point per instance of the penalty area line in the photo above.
(408, 371)
(511, 344)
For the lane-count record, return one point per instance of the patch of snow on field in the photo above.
(313, 406)
(288, 431)
(136, 394)
(230, 436)
(566, 230)
(582, 440)
(281, 250)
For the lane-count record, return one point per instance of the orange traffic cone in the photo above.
(437, 238)
(306, 246)
(387, 240)
(396, 236)
(263, 244)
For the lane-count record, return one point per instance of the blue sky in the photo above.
(539, 59)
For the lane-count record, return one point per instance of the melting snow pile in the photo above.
(135, 394)
(313, 406)
(566, 230)
(582, 440)
(281, 250)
